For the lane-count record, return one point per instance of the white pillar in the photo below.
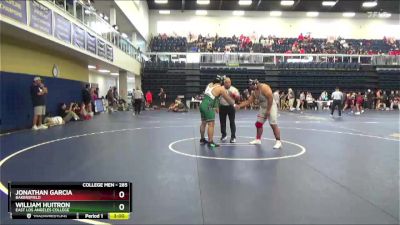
(123, 85)
(138, 82)
(113, 16)
(134, 39)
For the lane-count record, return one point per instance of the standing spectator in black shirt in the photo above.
(370, 99)
(86, 98)
(162, 96)
(38, 95)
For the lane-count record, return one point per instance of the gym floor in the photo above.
(329, 171)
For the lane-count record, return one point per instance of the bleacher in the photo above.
(190, 79)
(315, 45)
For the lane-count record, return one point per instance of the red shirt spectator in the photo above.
(302, 51)
(149, 97)
(359, 99)
(301, 37)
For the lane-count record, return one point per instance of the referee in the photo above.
(225, 109)
(337, 97)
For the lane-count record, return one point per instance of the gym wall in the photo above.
(20, 62)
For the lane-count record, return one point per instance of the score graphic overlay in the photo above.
(74, 200)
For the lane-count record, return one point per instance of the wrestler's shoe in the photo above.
(278, 145)
(255, 142)
(213, 145)
(203, 141)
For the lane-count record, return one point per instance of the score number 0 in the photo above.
(121, 206)
(121, 194)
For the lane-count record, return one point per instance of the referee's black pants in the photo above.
(337, 103)
(230, 112)
(138, 105)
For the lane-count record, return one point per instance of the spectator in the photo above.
(110, 99)
(283, 97)
(85, 113)
(53, 121)
(395, 102)
(378, 99)
(163, 97)
(86, 96)
(137, 98)
(149, 98)
(276, 98)
(115, 94)
(177, 106)
(67, 114)
(93, 98)
(38, 95)
(370, 99)
(382, 100)
(350, 101)
(291, 98)
(311, 104)
(359, 104)
(96, 92)
(302, 100)
(324, 96)
(391, 99)
(301, 37)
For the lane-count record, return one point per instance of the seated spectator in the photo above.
(324, 96)
(122, 106)
(84, 113)
(396, 100)
(53, 121)
(311, 104)
(177, 106)
(381, 100)
(67, 114)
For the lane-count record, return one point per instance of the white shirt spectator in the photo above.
(302, 96)
(138, 94)
(276, 96)
(309, 98)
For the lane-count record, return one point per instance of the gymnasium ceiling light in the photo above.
(312, 14)
(103, 71)
(115, 74)
(287, 3)
(161, 1)
(275, 13)
(164, 12)
(384, 15)
(329, 3)
(245, 2)
(369, 4)
(201, 12)
(203, 2)
(91, 67)
(238, 13)
(349, 14)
